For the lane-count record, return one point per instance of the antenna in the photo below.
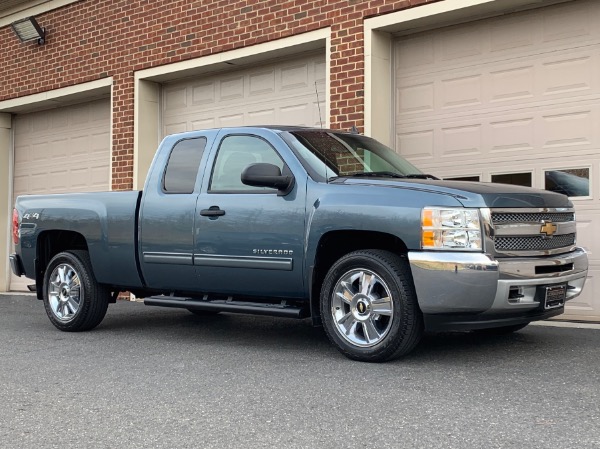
(319, 105)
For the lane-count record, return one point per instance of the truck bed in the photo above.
(107, 220)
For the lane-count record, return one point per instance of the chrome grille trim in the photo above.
(533, 217)
(533, 243)
(517, 232)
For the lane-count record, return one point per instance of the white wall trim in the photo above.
(35, 8)
(239, 55)
(6, 157)
(57, 97)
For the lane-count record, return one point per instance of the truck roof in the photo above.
(280, 128)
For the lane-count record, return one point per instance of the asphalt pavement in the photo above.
(164, 378)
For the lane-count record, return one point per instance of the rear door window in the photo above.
(183, 165)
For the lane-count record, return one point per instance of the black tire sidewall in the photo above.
(91, 308)
(403, 299)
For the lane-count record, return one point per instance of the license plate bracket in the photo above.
(555, 296)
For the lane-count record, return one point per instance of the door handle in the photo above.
(212, 211)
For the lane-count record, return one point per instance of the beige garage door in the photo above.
(288, 92)
(510, 99)
(62, 150)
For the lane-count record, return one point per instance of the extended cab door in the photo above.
(249, 240)
(168, 212)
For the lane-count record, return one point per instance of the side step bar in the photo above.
(229, 305)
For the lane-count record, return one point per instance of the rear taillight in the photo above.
(15, 227)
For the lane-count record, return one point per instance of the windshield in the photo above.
(326, 155)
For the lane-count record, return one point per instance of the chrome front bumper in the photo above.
(475, 283)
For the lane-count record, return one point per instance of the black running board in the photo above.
(281, 309)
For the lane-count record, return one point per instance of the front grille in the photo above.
(531, 217)
(534, 243)
(519, 231)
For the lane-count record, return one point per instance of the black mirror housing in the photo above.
(267, 175)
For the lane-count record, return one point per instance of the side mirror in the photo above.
(267, 175)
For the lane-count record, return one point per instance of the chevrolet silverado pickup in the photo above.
(301, 222)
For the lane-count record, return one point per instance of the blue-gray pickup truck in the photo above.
(301, 222)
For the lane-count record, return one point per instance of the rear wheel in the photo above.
(73, 299)
(369, 306)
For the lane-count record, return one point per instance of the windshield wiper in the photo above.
(376, 174)
(383, 174)
(420, 176)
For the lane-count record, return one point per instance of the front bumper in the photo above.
(16, 265)
(475, 290)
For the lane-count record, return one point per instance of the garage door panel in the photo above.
(529, 82)
(512, 84)
(175, 98)
(416, 144)
(262, 83)
(58, 149)
(277, 93)
(588, 303)
(574, 75)
(509, 95)
(39, 123)
(98, 143)
(542, 131)
(512, 135)
(568, 128)
(174, 128)
(568, 22)
(294, 77)
(203, 94)
(199, 124)
(61, 150)
(510, 35)
(539, 31)
(231, 120)
(78, 116)
(231, 89)
(262, 117)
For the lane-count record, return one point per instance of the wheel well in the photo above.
(49, 244)
(333, 245)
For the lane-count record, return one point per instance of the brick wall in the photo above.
(93, 39)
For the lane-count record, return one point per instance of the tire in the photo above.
(497, 331)
(73, 299)
(357, 318)
(199, 312)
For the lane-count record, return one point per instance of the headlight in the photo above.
(451, 229)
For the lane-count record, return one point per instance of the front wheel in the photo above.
(73, 299)
(369, 306)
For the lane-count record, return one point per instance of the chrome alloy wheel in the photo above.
(362, 307)
(64, 292)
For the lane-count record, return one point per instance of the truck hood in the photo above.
(471, 194)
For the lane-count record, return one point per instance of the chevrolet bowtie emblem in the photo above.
(548, 228)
